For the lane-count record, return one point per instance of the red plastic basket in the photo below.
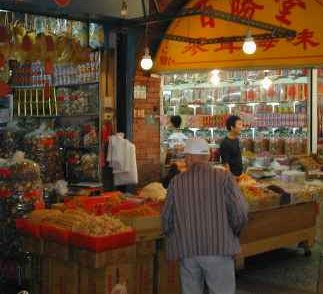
(99, 244)
(26, 227)
(52, 233)
(126, 205)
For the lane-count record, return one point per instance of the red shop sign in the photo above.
(62, 3)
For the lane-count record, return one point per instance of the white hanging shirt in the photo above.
(122, 159)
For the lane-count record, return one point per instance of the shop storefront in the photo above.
(208, 76)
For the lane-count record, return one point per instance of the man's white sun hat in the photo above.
(196, 146)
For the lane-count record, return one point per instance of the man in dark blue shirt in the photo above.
(230, 146)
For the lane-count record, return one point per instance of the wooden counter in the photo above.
(277, 228)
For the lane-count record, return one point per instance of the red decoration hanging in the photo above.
(4, 34)
(49, 67)
(4, 89)
(47, 91)
(62, 3)
(2, 60)
(50, 44)
(27, 43)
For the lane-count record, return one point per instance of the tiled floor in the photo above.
(282, 272)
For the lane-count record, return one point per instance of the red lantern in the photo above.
(62, 3)
(49, 68)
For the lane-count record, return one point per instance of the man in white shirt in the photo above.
(177, 139)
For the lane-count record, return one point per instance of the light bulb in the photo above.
(215, 79)
(249, 46)
(266, 83)
(146, 61)
(215, 72)
(124, 9)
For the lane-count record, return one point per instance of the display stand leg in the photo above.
(307, 248)
(239, 263)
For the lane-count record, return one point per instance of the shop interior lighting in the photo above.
(212, 106)
(174, 109)
(194, 130)
(124, 8)
(230, 107)
(266, 83)
(294, 105)
(249, 46)
(253, 105)
(212, 132)
(253, 133)
(215, 77)
(194, 106)
(273, 105)
(274, 130)
(146, 62)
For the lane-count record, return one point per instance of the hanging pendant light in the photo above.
(124, 9)
(249, 46)
(146, 62)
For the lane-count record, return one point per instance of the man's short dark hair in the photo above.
(176, 121)
(231, 122)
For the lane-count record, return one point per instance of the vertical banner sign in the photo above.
(303, 16)
(62, 3)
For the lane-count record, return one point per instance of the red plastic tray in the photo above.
(25, 226)
(126, 205)
(52, 233)
(99, 244)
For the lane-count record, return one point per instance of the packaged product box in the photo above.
(145, 248)
(33, 245)
(64, 278)
(56, 250)
(146, 223)
(46, 272)
(144, 276)
(145, 254)
(169, 277)
(91, 259)
(107, 280)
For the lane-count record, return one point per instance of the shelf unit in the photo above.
(63, 121)
(280, 111)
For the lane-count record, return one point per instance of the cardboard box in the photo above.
(56, 250)
(145, 249)
(107, 280)
(90, 259)
(64, 278)
(169, 276)
(144, 278)
(147, 223)
(33, 245)
(46, 272)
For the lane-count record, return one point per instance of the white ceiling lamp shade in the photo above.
(146, 62)
(249, 46)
